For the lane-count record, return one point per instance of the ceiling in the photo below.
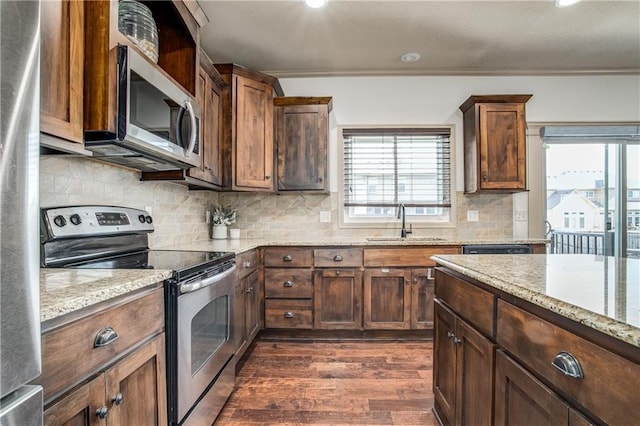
(286, 38)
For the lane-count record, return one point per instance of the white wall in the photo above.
(435, 100)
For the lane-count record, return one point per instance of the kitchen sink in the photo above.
(404, 239)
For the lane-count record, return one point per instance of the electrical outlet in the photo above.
(325, 216)
(521, 216)
(472, 215)
(207, 216)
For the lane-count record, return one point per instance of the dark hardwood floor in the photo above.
(322, 383)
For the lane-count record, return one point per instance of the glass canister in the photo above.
(136, 22)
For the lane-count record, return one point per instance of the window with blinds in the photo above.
(386, 167)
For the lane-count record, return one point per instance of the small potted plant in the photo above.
(221, 217)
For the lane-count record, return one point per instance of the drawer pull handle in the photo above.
(568, 365)
(105, 337)
(337, 258)
(287, 258)
(288, 283)
(288, 314)
(102, 412)
(117, 400)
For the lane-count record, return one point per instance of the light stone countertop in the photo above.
(600, 292)
(63, 291)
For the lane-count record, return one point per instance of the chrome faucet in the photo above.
(403, 231)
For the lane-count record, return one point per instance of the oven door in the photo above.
(205, 336)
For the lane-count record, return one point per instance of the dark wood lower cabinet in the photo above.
(337, 299)
(463, 371)
(131, 392)
(387, 299)
(422, 294)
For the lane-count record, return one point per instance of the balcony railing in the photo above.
(600, 243)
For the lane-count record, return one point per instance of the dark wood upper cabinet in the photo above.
(62, 70)
(247, 129)
(302, 133)
(494, 143)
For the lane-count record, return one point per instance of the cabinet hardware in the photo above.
(105, 337)
(337, 258)
(102, 412)
(288, 283)
(568, 364)
(450, 335)
(249, 290)
(247, 264)
(337, 272)
(456, 340)
(288, 314)
(117, 400)
(287, 258)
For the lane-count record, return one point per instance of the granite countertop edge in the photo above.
(598, 322)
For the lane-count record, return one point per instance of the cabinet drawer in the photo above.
(284, 313)
(68, 352)
(337, 258)
(288, 256)
(417, 257)
(536, 342)
(246, 263)
(284, 283)
(475, 305)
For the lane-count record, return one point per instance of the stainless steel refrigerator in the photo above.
(20, 404)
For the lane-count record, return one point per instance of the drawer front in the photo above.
(246, 263)
(416, 257)
(473, 304)
(337, 258)
(288, 256)
(283, 313)
(69, 355)
(609, 381)
(288, 283)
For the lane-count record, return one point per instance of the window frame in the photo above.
(392, 223)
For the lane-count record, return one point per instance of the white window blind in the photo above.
(386, 167)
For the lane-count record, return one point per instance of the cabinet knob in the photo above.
(337, 258)
(415, 281)
(288, 283)
(457, 341)
(102, 412)
(288, 314)
(267, 177)
(485, 177)
(249, 290)
(105, 337)
(568, 364)
(117, 400)
(337, 272)
(450, 335)
(247, 264)
(287, 258)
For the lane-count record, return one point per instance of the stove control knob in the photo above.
(141, 218)
(60, 221)
(75, 219)
(148, 219)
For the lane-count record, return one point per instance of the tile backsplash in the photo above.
(179, 214)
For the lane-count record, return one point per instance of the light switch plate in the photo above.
(325, 216)
(521, 216)
(472, 215)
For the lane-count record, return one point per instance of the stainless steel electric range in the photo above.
(198, 297)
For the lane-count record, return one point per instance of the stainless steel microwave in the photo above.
(157, 123)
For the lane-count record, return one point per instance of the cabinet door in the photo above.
(62, 68)
(422, 293)
(444, 363)
(474, 376)
(79, 407)
(253, 151)
(502, 148)
(337, 299)
(301, 140)
(211, 131)
(387, 299)
(520, 399)
(136, 387)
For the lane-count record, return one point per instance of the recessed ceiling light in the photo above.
(410, 57)
(316, 4)
(565, 3)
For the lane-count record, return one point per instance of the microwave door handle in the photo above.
(194, 130)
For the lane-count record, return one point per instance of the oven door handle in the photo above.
(192, 286)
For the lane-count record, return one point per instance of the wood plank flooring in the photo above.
(336, 383)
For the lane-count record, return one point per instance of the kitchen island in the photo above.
(537, 339)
